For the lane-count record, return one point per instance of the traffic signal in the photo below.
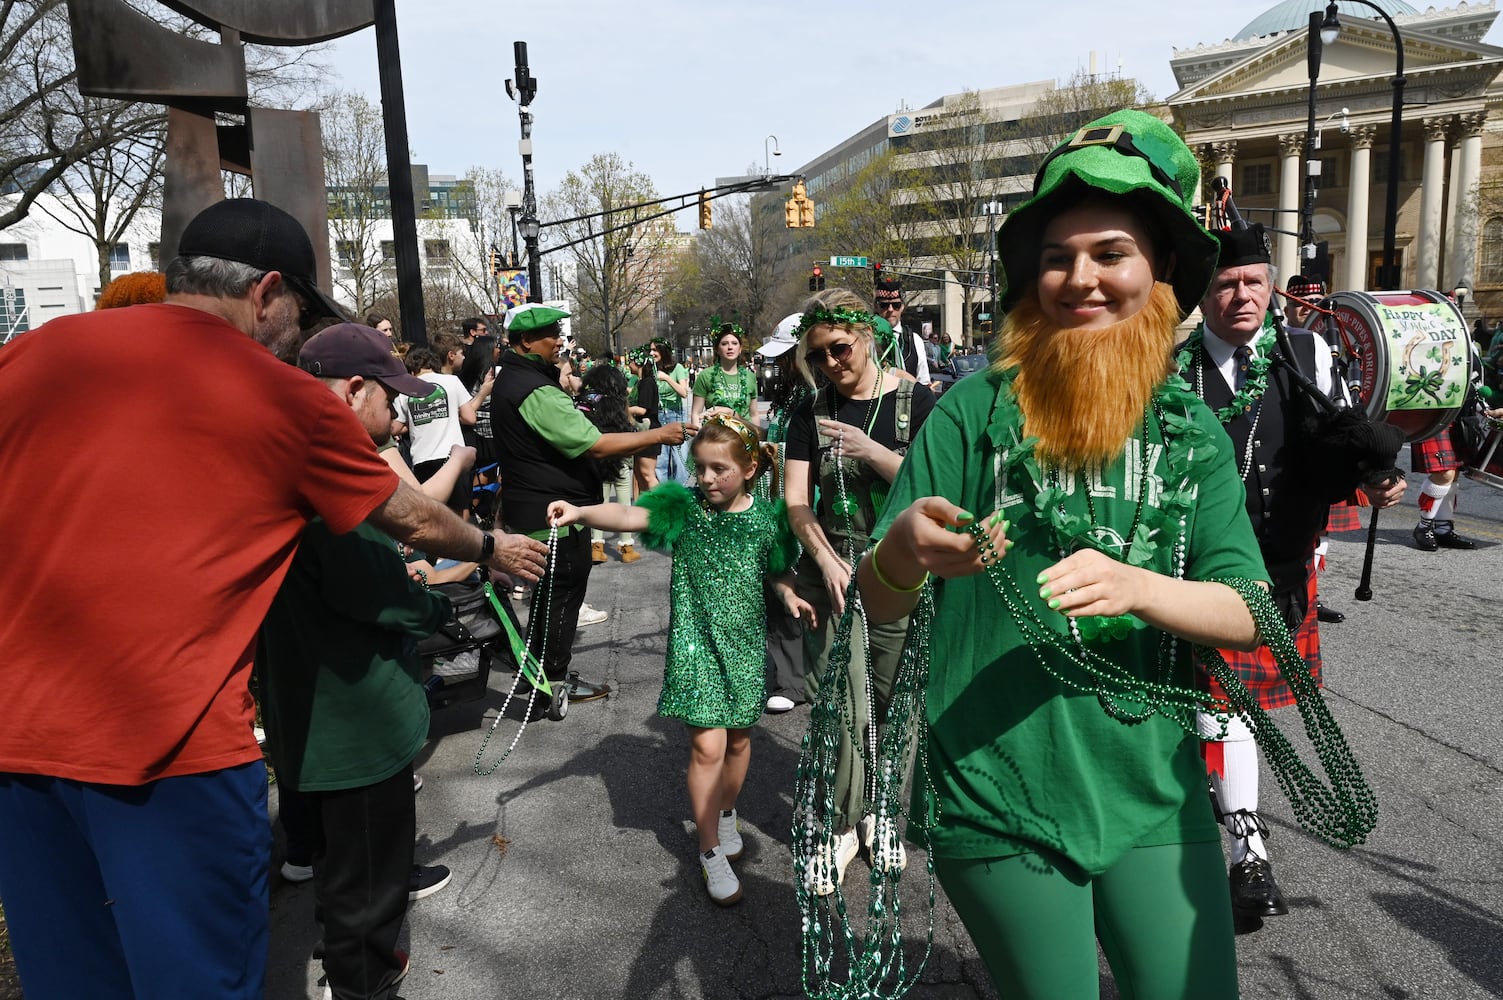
(497, 262)
(806, 214)
(790, 213)
(704, 210)
(817, 279)
(876, 271)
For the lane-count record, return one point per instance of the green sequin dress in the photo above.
(717, 638)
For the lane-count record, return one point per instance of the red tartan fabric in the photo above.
(1436, 454)
(1343, 517)
(1259, 671)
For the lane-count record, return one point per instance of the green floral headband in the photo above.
(882, 330)
(639, 355)
(834, 317)
(718, 325)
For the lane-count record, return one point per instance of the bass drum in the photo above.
(1408, 356)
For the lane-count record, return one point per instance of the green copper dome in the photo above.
(1295, 15)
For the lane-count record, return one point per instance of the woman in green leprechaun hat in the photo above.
(1083, 510)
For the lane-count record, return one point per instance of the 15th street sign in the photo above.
(849, 262)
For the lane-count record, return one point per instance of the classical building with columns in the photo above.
(1244, 103)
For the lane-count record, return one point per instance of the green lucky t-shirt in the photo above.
(1020, 761)
(734, 390)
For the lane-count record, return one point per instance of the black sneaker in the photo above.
(581, 690)
(426, 880)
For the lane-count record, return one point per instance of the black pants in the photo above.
(560, 593)
(361, 841)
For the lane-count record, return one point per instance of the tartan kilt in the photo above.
(1258, 670)
(1434, 454)
(1344, 516)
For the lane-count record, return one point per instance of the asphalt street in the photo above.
(574, 863)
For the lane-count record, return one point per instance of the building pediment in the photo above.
(1363, 53)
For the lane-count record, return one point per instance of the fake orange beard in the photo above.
(1083, 392)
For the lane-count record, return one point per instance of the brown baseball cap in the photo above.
(348, 349)
(258, 233)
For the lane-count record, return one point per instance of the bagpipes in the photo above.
(1344, 445)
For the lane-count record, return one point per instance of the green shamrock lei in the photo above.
(1257, 372)
(1189, 453)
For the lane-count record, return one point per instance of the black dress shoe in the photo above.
(1254, 892)
(1328, 615)
(1451, 540)
(1425, 538)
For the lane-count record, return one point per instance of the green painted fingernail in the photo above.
(1054, 604)
(965, 516)
(1043, 578)
(1045, 592)
(996, 518)
(1006, 525)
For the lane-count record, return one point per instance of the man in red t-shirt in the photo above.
(160, 464)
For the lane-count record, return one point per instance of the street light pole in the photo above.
(524, 88)
(1389, 278)
(767, 160)
(1313, 51)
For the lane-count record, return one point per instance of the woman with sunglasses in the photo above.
(844, 446)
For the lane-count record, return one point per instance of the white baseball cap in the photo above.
(782, 337)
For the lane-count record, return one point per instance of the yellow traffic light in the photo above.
(704, 210)
(790, 213)
(805, 214)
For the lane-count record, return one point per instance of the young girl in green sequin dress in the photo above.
(725, 544)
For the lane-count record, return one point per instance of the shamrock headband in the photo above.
(723, 327)
(834, 317)
(639, 356)
(743, 430)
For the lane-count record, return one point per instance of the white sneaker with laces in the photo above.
(590, 616)
(730, 834)
(883, 845)
(827, 867)
(720, 880)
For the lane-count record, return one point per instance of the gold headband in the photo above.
(741, 427)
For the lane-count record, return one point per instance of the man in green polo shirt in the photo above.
(549, 448)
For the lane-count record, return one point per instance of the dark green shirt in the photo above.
(341, 694)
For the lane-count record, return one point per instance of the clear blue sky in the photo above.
(688, 91)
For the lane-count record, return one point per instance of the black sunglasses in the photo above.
(839, 352)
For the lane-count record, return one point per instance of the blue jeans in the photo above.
(119, 892)
(673, 460)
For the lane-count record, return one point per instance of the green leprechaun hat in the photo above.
(1129, 153)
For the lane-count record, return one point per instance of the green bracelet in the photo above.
(884, 581)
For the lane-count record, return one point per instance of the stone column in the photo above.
(1357, 200)
(1432, 199)
(1286, 248)
(1464, 249)
(1225, 153)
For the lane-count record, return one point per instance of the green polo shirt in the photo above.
(552, 413)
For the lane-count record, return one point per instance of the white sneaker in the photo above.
(589, 616)
(296, 873)
(730, 834)
(778, 704)
(883, 844)
(827, 867)
(722, 883)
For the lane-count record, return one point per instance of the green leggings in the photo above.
(1162, 916)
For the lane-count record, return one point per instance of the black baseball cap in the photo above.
(258, 233)
(347, 349)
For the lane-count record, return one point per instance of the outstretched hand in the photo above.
(561, 514)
